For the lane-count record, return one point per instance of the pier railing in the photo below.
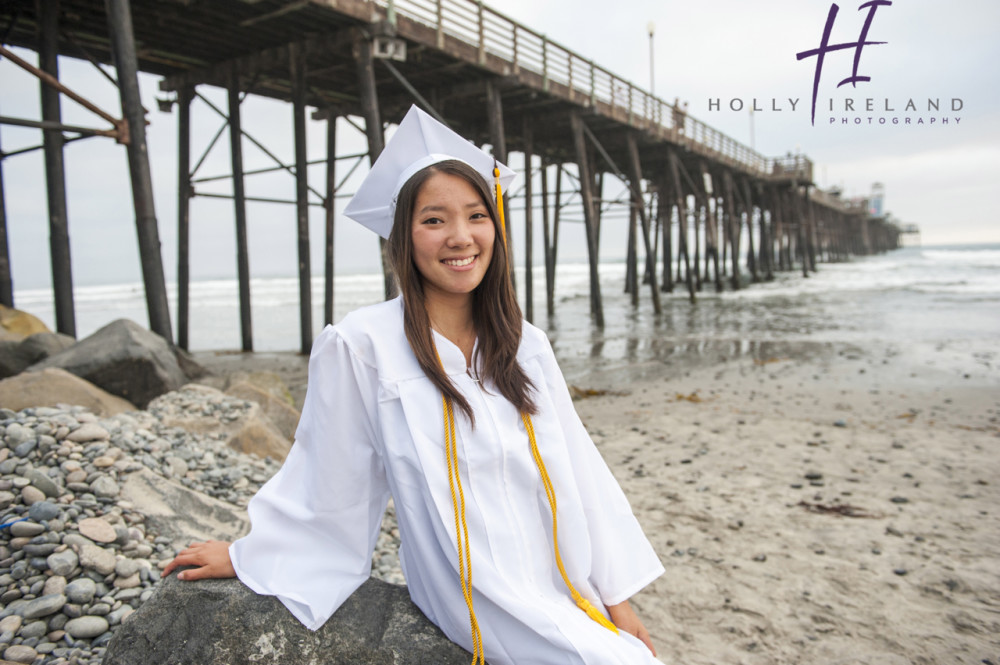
(490, 32)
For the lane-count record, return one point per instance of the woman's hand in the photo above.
(623, 616)
(211, 560)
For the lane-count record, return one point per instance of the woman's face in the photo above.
(452, 235)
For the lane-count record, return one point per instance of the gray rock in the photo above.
(11, 623)
(124, 359)
(54, 584)
(97, 558)
(12, 361)
(43, 511)
(31, 495)
(18, 434)
(63, 563)
(42, 345)
(88, 432)
(105, 486)
(44, 483)
(189, 623)
(26, 529)
(86, 626)
(44, 606)
(120, 614)
(34, 629)
(81, 590)
(20, 654)
(127, 567)
(22, 450)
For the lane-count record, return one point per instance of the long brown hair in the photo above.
(495, 312)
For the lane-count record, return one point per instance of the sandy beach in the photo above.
(838, 506)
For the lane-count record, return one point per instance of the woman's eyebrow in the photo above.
(438, 208)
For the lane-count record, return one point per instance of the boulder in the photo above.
(54, 386)
(251, 431)
(44, 344)
(11, 360)
(258, 436)
(222, 621)
(282, 414)
(16, 325)
(124, 359)
(269, 382)
(181, 514)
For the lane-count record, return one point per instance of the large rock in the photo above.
(54, 386)
(243, 423)
(16, 325)
(282, 414)
(124, 359)
(222, 621)
(181, 514)
(258, 436)
(17, 356)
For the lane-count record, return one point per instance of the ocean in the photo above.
(943, 301)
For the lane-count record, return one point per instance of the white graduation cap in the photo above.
(419, 142)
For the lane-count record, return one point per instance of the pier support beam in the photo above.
(732, 229)
(240, 207)
(184, 96)
(6, 281)
(665, 205)
(589, 215)
(751, 252)
(682, 223)
(498, 139)
(364, 58)
(127, 65)
(639, 207)
(328, 206)
(297, 72)
(550, 304)
(529, 204)
(55, 172)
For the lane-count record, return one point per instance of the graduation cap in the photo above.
(419, 142)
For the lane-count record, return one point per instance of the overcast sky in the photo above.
(942, 177)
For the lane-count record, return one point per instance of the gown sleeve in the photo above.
(622, 559)
(315, 523)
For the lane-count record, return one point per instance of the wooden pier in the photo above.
(697, 199)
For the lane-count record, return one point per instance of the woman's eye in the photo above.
(479, 215)
(432, 220)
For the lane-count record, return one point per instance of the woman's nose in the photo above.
(461, 234)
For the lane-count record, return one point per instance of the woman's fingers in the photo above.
(643, 635)
(210, 560)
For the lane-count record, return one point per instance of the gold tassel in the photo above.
(496, 180)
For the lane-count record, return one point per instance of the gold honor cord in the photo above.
(581, 602)
(461, 528)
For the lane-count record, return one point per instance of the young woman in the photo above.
(445, 399)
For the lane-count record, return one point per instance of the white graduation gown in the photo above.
(372, 425)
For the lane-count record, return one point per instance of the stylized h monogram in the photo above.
(826, 47)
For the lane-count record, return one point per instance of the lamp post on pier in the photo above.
(651, 27)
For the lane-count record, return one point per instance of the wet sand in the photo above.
(811, 504)
(837, 507)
